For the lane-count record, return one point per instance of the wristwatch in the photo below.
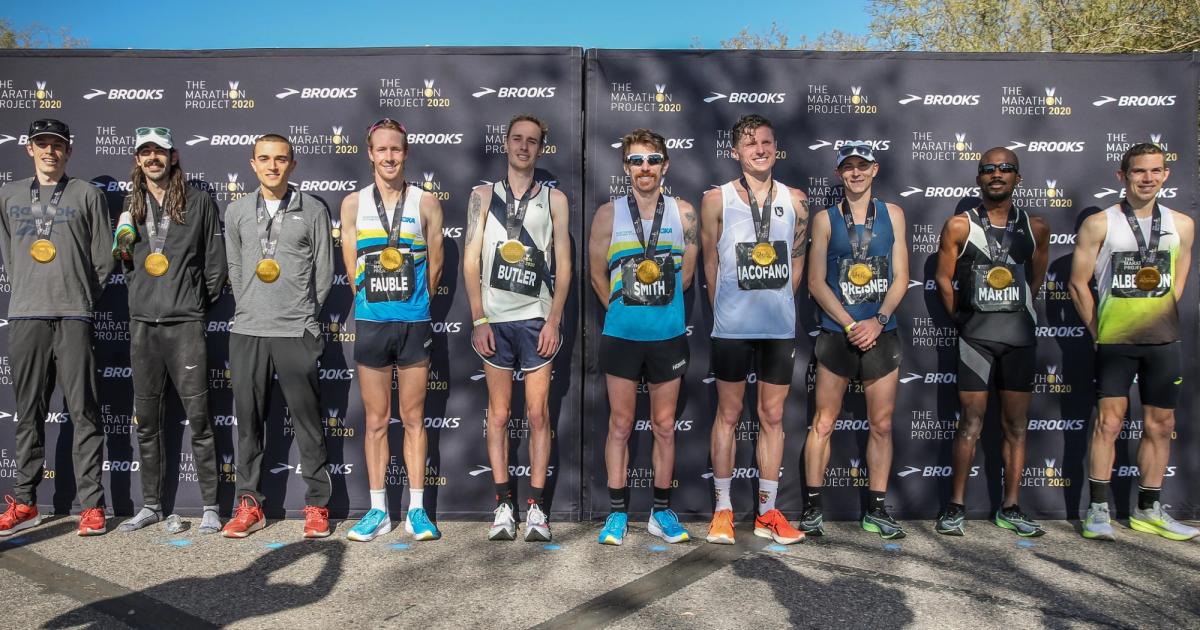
(882, 319)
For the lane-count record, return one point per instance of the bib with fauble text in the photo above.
(382, 285)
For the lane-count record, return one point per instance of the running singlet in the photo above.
(521, 290)
(645, 312)
(401, 295)
(743, 310)
(986, 313)
(1125, 313)
(860, 301)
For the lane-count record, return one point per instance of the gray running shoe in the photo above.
(882, 523)
(536, 529)
(1013, 518)
(1097, 525)
(951, 522)
(812, 521)
(1156, 521)
(504, 527)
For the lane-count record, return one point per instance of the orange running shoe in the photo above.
(247, 518)
(18, 516)
(774, 526)
(92, 522)
(316, 522)
(720, 531)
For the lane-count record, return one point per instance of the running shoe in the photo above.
(374, 523)
(613, 532)
(665, 524)
(247, 518)
(812, 522)
(92, 522)
(1156, 521)
(720, 530)
(1013, 518)
(773, 525)
(316, 522)
(1097, 524)
(18, 516)
(879, 521)
(536, 528)
(952, 521)
(419, 525)
(504, 527)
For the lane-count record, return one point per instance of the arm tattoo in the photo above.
(689, 229)
(472, 216)
(800, 238)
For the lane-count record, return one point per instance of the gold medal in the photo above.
(763, 254)
(512, 251)
(42, 250)
(267, 270)
(1147, 278)
(390, 258)
(648, 271)
(335, 233)
(156, 264)
(860, 274)
(999, 277)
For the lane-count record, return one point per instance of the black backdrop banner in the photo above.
(928, 116)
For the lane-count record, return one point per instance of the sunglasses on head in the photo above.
(389, 123)
(145, 131)
(861, 150)
(636, 159)
(1003, 167)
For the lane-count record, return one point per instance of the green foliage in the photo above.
(37, 36)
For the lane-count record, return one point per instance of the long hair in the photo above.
(173, 201)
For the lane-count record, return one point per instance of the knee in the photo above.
(376, 430)
(1015, 428)
(881, 429)
(664, 431)
(770, 419)
(1159, 425)
(620, 426)
(969, 426)
(822, 426)
(1108, 427)
(498, 414)
(728, 415)
(538, 419)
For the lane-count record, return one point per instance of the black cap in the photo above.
(50, 127)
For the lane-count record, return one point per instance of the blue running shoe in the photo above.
(665, 525)
(614, 529)
(373, 523)
(419, 525)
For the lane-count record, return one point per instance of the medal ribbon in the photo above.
(648, 246)
(514, 210)
(43, 216)
(762, 226)
(1148, 252)
(157, 233)
(268, 238)
(998, 248)
(858, 246)
(392, 227)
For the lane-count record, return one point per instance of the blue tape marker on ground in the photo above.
(778, 548)
(16, 541)
(400, 546)
(1025, 544)
(891, 547)
(179, 542)
(274, 545)
(552, 547)
(657, 548)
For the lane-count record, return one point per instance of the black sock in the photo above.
(956, 508)
(616, 500)
(812, 498)
(1147, 497)
(875, 500)
(662, 499)
(535, 495)
(504, 494)
(1098, 490)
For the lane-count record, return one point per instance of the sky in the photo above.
(324, 24)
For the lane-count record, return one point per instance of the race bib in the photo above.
(657, 293)
(752, 276)
(1125, 266)
(382, 285)
(523, 276)
(987, 299)
(873, 291)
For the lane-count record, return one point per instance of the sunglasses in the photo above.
(636, 159)
(861, 150)
(388, 123)
(1003, 167)
(159, 131)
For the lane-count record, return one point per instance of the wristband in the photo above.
(850, 326)
(481, 320)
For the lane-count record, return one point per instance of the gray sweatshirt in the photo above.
(290, 305)
(70, 285)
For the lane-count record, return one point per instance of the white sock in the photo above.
(721, 490)
(766, 495)
(379, 500)
(416, 498)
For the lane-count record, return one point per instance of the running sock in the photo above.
(875, 500)
(956, 508)
(416, 498)
(379, 500)
(721, 493)
(766, 495)
(616, 500)
(1098, 489)
(535, 495)
(812, 498)
(504, 494)
(662, 499)
(210, 521)
(149, 515)
(1147, 497)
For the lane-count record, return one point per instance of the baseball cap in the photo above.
(848, 151)
(158, 135)
(49, 127)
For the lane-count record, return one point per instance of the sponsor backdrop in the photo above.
(929, 117)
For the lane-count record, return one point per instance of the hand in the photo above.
(865, 333)
(483, 341)
(548, 339)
